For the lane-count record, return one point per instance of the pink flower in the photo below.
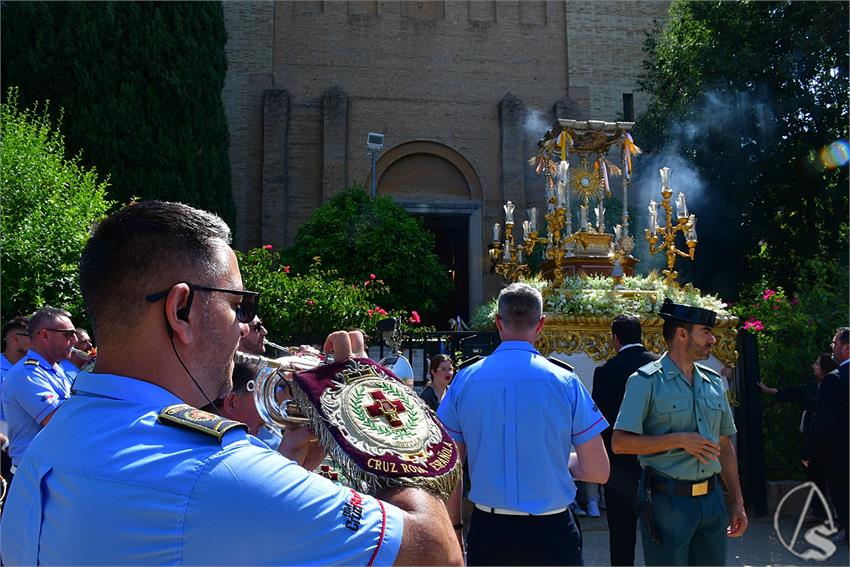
(768, 293)
(310, 302)
(414, 318)
(369, 312)
(267, 247)
(380, 311)
(754, 325)
(371, 276)
(286, 269)
(366, 283)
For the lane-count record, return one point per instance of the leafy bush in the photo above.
(357, 236)
(49, 205)
(791, 333)
(308, 306)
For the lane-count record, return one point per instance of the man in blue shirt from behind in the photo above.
(516, 414)
(129, 472)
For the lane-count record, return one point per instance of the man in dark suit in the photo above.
(609, 387)
(832, 422)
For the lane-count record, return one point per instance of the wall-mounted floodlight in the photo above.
(375, 142)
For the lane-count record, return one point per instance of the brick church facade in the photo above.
(462, 91)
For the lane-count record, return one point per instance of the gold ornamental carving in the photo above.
(591, 335)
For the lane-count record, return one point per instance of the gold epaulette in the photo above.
(561, 363)
(187, 417)
(31, 362)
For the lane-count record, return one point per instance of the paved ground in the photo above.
(759, 546)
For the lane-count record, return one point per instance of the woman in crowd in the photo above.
(808, 394)
(442, 371)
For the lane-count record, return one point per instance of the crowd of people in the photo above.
(159, 454)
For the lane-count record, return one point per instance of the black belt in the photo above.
(664, 485)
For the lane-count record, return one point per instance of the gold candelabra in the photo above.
(685, 223)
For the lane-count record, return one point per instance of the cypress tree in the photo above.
(140, 85)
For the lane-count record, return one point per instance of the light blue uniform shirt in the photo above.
(5, 366)
(659, 400)
(518, 414)
(69, 368)
(32, 390)
(106, 483)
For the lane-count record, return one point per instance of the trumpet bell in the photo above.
(399, 365)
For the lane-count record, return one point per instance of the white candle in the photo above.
(692, 228)
(600, 217)
(681, 207)
(583, 217)
(509, 213)
(532, 216)
(653, 216)
(497, 230)
(562, 190)
(526, 229)
(618, 232)
(665, 177)
(507, 255)
(519, 256)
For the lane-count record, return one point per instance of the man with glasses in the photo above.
(16, 343)
(36, 386)
(77, 359)
(129, 454)
(255, 341)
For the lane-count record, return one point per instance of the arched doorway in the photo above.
(439, 186)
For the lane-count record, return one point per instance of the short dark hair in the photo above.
(44, 316)
(626, 328)
(141, 249)
(827, 364)
(13, 324)
(670, 326)
(520, 306)
(242, 374)
(843, 334)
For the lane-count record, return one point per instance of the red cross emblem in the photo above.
(388, 409)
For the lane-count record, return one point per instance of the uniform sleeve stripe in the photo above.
(588, 428)
(383, 531)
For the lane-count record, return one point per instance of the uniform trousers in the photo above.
(498, 539)
(620, 492)
(692, 529)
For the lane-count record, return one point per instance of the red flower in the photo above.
(310, 302)
(267, 247)
(286, 269)
(754, 325)
(414, 318)
(371, 276)
(768, 293)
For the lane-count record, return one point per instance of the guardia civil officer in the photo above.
(129, 472)
(675, 416)
(516, 414)
(36, 386)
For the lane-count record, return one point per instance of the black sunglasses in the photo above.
(69, 333)
(245, 311)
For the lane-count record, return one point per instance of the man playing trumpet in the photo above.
(129, 472)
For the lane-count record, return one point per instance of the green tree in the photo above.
(750, 93)
(49, 206)
(358, 237)
(140, 84)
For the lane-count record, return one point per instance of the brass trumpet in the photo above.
(271, 379)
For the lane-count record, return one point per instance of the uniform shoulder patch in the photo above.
(187, 417)
(469, 361)
(650, 369)
(561, 363)
(31, 362)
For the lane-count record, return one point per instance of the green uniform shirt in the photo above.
(660, 400)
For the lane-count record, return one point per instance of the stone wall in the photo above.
(308, 80)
